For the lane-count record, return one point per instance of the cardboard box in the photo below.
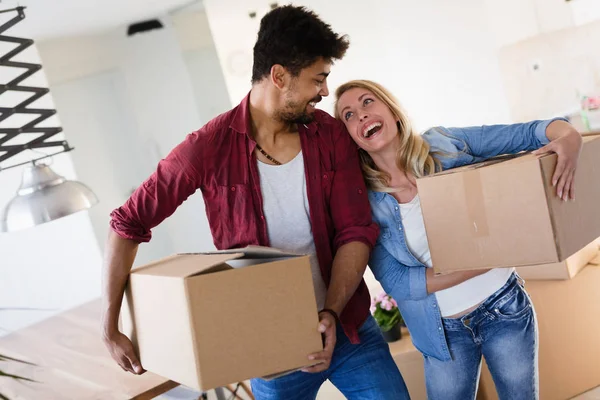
(569, 349)
(411, 365)
(199, 321)
(505, 213)
(562, 270)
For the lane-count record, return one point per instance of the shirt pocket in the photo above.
(385, 233)
(327, 184)
(513, 305)
(236, 217)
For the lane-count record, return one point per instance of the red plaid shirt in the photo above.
(219, 160)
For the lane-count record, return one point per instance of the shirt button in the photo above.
(233, 188)
(396, 208)
(399, 228)
(360, 191)
(439, 328)
(324, 176)
(435, 305)
(262, 217)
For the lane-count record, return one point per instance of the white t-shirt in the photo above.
(457, 298)
(286, 210)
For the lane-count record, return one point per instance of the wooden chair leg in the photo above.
(247, 390)
(232, 390)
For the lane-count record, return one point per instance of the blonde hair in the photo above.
(414, 154)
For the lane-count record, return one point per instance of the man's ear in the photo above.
(279, 76)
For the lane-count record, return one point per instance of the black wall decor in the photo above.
(34, 137)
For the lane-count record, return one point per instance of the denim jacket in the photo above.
(399, 272)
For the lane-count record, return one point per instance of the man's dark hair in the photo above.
(295, 38)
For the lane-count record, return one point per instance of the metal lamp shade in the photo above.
(44, 196)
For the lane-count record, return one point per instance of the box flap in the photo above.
(184, 265)
(256, 252)
(481, 164)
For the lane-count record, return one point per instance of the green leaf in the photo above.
(17, 377)
(7, 358)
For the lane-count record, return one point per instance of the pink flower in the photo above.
(386, 304)
(394, 302)
(373, 309)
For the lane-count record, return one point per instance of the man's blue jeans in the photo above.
(364, 371)
(503, 329)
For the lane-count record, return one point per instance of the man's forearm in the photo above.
(119, 255)
(347, 271)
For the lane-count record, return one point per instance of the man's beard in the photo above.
(294, 114)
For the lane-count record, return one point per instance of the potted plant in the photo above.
(385, 311)
(5, 375)
(6, 359)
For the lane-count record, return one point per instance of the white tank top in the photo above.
(286, 210)
(456, 298)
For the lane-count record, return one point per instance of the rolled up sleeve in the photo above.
(157, 198)
(398, 280)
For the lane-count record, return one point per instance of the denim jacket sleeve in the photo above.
(398, 280)
(490, 140)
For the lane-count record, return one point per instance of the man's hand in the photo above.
(323, 358)
(121, 350)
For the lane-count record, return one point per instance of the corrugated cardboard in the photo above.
(562, 270)
(200, 322)
(505, 213)
(410, 363)
(569, 350)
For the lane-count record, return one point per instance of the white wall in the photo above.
(585, 11)
(512, 21)
(55, 265)
(437, 57)
(128, 101)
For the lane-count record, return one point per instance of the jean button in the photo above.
(467, 322)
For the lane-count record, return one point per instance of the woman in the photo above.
(453, 319)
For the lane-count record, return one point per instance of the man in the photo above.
(274, 171)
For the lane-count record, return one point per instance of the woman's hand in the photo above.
(566, 142)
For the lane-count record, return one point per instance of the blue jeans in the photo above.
(360, 371)
(503, 329)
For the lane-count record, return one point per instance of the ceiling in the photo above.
(47, 19)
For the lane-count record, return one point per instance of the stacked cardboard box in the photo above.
(568, 313)
(562, 270)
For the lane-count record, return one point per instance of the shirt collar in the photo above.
(241, 118)
(377, 196)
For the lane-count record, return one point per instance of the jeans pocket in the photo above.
(513, 305)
